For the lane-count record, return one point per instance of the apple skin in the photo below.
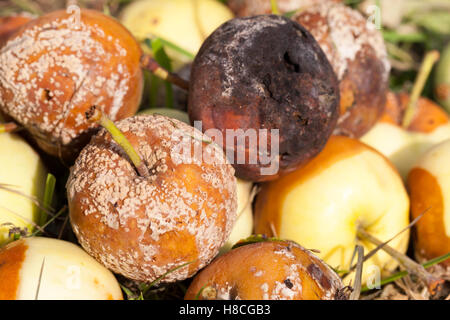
(143, 227)
(68, 273)
(10, 24)
(429, 126)
(23, 171)
(58, 66)
(171, 113)
(186, 23)
(403, 147)
(243, 226)
(429, 187)
(268, 270)
(321, 205)
(358, 56)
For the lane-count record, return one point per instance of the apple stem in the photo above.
(8, 127)
(150, 64)
(430, 59)
(434, 284)
(95, 115)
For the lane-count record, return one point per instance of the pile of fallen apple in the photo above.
(358, 165)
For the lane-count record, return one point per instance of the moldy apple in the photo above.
(359, 58)
(142, 227)
(265, 72)
(268, 270)
(58, 66)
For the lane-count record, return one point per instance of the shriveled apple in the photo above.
(22, 179)
(49, 269)
(322, 205)
(259, 74)
(358, 55)
(429, 187)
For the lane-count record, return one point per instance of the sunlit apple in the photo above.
(429, 126)
(49, 269)
(321, 206)
(185, 23)
(429, 187)
(22, 179)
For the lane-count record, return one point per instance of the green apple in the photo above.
(22, 175)
(40, 268)
(185, 23)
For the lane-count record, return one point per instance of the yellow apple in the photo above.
(403, 147)
(321, 205)
(429, 187)
(50, 269)
(185, 23)
(243, 226)
(429, 126)
(22, 175)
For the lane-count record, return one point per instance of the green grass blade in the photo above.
(401, 274)
(160, 55)
(48, 198)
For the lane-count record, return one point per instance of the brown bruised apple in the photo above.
(269, 270)
(61, 64)
(264, 73)
(142, 227)
(358, 55)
